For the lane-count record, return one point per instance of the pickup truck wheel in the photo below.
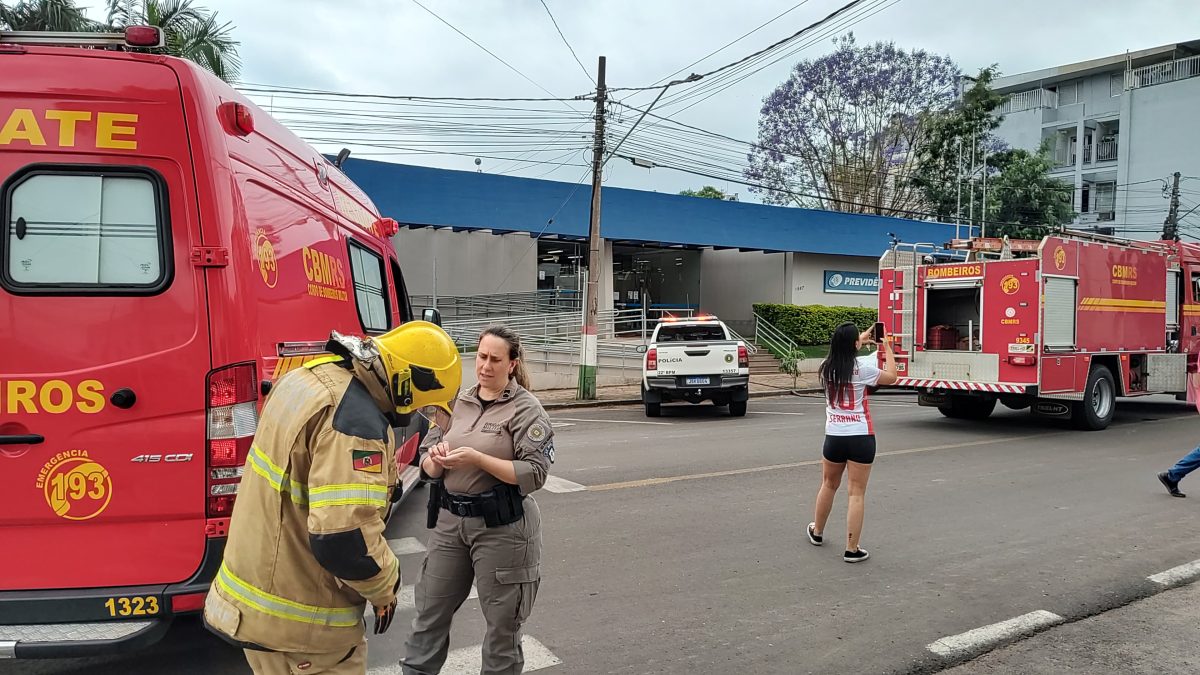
(737, 409)
(653, 409)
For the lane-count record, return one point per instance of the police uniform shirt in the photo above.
(513, 427)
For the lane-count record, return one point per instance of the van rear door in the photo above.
(104, 327)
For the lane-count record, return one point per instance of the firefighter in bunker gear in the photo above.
(306, 549)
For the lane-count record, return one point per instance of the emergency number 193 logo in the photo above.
(268, 266)
(76, 487)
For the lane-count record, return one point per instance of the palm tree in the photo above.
(48, 15)
(191, 32)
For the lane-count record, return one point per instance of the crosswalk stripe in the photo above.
(561, 485)
(469, 660)
(406, 546)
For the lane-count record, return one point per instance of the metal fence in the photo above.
(1162, 73)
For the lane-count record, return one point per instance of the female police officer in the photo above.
(491, 455)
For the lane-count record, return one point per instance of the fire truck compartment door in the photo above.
(1173, 298)
(1059, 313)
(1168, 372)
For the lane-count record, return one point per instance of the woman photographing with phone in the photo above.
(849, 432)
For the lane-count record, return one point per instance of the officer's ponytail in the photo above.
(515, 351)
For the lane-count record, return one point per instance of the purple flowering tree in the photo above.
(843, 131)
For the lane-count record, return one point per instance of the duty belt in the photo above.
(468, 506)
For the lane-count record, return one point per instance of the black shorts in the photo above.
(859, 449)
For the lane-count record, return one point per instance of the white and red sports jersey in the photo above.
(849, 414)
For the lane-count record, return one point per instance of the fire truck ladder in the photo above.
(904, 259)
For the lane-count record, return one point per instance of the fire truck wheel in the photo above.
(1095, 411)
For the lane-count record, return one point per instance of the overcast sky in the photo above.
(396, 47)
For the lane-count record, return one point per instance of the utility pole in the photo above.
(983, 209)
(1171, 226)
(588, 360)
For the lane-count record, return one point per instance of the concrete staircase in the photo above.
(764, 363)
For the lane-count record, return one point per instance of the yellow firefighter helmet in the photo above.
(422, 365)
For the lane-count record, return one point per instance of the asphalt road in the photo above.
(686, 551)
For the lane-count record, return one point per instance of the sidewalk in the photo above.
(760, 385)
(1156, 635)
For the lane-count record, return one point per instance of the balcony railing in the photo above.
(1030, 100)
(1162, 73)
(1106, 151)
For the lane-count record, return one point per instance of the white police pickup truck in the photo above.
(694, 360)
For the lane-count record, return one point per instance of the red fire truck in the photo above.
(1063, 325)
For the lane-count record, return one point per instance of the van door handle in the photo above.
(21, 439)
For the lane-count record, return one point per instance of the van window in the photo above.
(369, 281)
(91, 232)
(699, 333)
(401, 292)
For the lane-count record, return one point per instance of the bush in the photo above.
(814, 324)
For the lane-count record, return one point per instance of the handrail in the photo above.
(772, 338)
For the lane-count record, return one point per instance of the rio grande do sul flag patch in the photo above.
(370, 461)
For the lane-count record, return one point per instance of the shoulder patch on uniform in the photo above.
(370, 461)
(538, 432)
(357, 415)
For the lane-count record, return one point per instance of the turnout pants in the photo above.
(503, 562)
(286, 663)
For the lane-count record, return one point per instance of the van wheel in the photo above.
(653, 409)
(737, 409)
(1095, 411)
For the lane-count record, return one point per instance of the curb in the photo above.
(606, 403)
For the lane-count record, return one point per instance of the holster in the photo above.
(501, 505)
(437, 492)
(506, 506)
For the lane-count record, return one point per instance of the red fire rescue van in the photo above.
(1063, 325)
(167, 251)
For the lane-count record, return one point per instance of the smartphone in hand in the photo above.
(877, 332)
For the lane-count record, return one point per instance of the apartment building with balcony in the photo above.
(1116, 126)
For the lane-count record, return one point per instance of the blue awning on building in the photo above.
(417, 196)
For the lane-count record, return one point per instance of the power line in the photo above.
(733, 42)
(565, 42)
(490, 52)
(776, 45)
(277, 89)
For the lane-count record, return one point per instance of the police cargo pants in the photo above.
(504, 562)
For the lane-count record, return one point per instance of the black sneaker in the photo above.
(1171, 485)
(856, 556)
(814, 539)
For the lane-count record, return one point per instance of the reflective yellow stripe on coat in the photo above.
(283, 608)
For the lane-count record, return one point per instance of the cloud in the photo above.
(395, 47)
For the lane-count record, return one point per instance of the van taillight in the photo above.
(232, 413)
(652, 359)
(743, 357)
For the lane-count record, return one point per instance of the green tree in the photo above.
(955, 136)
(48, 15)
(192, 32)
(710, 192)
(1024, 200)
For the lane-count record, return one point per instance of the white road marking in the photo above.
(560, 425)
(1176, 575)
(974, 640)
(772, 412)
(469, 660)
(561, 485)
(406, 546)
(574, 419)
